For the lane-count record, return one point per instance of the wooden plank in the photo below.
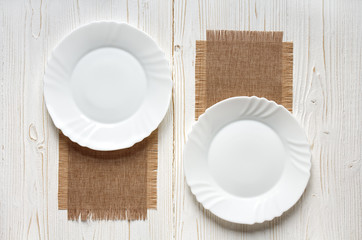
(323, 34)
(327, 95)
(154, 17)
(29, 139)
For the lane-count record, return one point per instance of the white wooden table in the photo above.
(327, 38)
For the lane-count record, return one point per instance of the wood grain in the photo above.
(327, 102)
(326, 65)
(29, 165)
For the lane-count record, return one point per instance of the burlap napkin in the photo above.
(243, 63)
(107, 185)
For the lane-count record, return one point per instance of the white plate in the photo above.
(107, 86)
(247, 160)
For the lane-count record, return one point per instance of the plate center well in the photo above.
(246, 158)
(108, 85)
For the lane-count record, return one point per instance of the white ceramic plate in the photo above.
(247, 160)
(107, 86)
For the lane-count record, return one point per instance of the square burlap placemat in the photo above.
(108, 185)
(243, 63)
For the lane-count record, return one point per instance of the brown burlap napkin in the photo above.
(243, 63)
(108, 185)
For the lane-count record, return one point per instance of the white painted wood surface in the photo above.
(327, 38)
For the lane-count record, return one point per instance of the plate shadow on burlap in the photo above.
(243, 63)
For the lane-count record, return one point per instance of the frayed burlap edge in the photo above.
(287, 75)
(243, 36)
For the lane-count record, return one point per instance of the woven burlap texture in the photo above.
(107, 185)
(243, 63)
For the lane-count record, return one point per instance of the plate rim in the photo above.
(67, 133)
(188, 180)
